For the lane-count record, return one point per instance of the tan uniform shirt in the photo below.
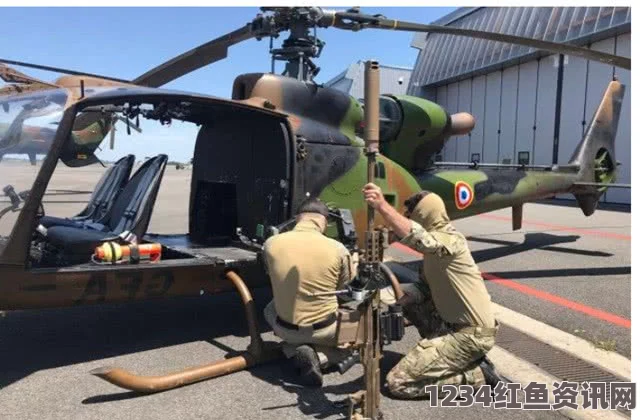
(304, 261)
(454, 279)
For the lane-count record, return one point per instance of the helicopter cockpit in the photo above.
(103, 190)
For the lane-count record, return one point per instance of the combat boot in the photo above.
(307, 365)
(491, 375)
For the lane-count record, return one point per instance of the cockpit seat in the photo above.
(130, 213)
(76, 243)
(104, 195)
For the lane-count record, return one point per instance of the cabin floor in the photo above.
(176, 249)
(181, 246)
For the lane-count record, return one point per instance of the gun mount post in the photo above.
(366, 404)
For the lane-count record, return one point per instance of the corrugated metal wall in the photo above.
(623, 145)
(393, 80)
(389, 81)
(464, 54)
(478, 105)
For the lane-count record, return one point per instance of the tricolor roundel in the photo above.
(463, 195)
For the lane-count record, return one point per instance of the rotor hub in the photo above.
(604, 167)
(302, 44)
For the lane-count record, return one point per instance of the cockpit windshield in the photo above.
(28, 125)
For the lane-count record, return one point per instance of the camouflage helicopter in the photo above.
(303, 140)
(36, 140)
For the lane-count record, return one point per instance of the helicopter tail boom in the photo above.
(595, 155)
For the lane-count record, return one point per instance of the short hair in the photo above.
(314, 205)
(411, 202)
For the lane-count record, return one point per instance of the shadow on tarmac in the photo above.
(314, 402)
(622, 208)
(564, 272)
(407, 271)
(36, 340)
(542, 241)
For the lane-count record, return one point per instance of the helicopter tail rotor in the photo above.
(130, 126)
(595, 155)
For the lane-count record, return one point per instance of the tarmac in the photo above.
(563, 280)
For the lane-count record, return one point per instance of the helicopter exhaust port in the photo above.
(257, 353)
(462, 123)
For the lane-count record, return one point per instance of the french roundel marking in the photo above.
(463, 195)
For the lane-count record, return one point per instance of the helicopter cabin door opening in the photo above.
(241, 176)
(240, 180)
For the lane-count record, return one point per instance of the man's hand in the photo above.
(400, 225)
(373, 196)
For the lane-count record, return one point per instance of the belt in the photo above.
(477, 330)
(316, 326)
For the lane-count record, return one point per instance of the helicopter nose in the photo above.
(462, 123)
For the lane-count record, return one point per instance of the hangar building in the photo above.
(529, 106)
(393, 80)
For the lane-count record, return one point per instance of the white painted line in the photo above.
(520, 371)
(582, 349)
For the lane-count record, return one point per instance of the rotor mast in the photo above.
(297, 51)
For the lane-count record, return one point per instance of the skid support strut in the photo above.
(257, 353)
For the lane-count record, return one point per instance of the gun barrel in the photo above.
(371, 123)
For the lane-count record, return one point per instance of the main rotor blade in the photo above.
(194, 59)
(60, 70)
(11, 75)
(556, 47)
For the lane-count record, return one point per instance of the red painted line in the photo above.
(542, 295)
(562, 228)
(570, 304)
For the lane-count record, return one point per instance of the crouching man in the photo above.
(302, 262)
(454, 351)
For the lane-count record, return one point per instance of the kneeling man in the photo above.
(455, 353)
(302, 262)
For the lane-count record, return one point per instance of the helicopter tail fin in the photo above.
(595, 155)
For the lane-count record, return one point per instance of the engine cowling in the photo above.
(413, 130)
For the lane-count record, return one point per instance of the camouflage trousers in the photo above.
(444, 356)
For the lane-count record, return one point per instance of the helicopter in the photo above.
(36, 140)
(303, 140)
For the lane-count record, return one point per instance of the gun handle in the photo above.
(348, 363)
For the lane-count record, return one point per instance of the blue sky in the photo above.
(126, 42)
